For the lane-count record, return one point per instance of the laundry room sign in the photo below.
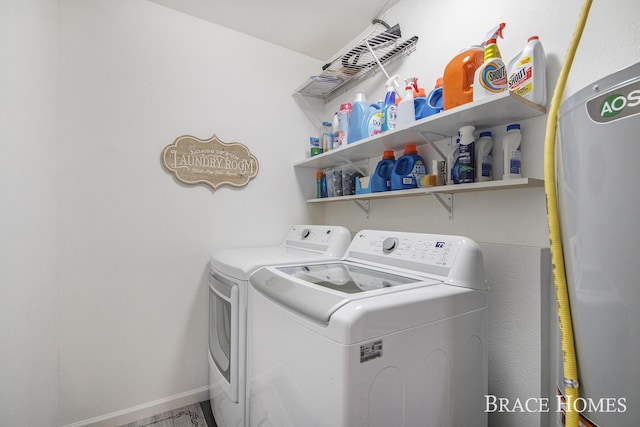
(212, 162)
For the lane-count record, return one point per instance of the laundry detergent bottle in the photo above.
(358, 122)
(381, 179)
(408, 170)
(453, 167)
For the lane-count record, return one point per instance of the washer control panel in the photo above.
(457, 259)
(328, 239)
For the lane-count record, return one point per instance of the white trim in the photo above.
(146, 410)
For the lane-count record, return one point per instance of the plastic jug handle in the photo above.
(375, 106)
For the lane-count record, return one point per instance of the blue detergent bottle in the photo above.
(381, 179)
(358, 122)
(408, 170)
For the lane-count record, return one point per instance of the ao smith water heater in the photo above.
(599, 204)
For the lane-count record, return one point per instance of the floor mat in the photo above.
(188, 416)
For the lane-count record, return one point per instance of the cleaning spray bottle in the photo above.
(467, 151)
(484, 157)
(527, 73)
(491, 77)
(390, 110)
(406, 108)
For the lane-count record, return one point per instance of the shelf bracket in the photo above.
(446, 199)
(353, 165)
(364, 205)
(434, 146)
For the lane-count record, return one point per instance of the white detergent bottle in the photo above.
(406, 109)
(527, 73)
(484, 157)
(511, 150)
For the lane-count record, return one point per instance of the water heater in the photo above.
(599, 204)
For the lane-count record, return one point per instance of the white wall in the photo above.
(28, 377)
(444, 28)
(522, 355)
(133, 243)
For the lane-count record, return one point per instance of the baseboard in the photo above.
(146, 410)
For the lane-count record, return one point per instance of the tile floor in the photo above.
(196, 415)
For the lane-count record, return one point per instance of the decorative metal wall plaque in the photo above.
(211, 162)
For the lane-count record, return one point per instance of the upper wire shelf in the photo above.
(352, 66)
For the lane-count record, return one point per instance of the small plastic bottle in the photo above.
(484, 157)
(344, 115)
(319, 176)
(512, 155)
(326, 137)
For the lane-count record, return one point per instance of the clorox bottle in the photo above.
(381, 179)
(408, 170)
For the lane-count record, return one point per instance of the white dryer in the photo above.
(228, 287)
(395, 334)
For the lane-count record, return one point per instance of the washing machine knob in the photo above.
(389, 244)
(305, 233)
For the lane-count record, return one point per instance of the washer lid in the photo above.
(321, 289)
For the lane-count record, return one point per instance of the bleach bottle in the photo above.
(484, 157)
(467, 150)
(408, 170)
(381, 179)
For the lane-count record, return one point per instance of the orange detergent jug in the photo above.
(458, 75)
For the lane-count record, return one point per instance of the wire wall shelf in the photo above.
(367, 58)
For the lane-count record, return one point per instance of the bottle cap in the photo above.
(533, 38)
(319, 175)
(345, 106)
(485, 134)
(410, 149)
(360, 97)
(388, 154)
(513, 126)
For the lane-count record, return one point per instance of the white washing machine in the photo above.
(228, 286)
(394, 334)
